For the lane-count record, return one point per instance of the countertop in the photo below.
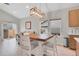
(77, 39)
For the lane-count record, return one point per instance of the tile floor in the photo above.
(9, 47)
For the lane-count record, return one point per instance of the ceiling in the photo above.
(21, 10)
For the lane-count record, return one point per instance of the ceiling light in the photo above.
(37, 12)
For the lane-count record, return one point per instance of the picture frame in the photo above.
(28, 25)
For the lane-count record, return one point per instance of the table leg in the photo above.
(41, 48)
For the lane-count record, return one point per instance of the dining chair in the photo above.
(29, 47)
(50, 48)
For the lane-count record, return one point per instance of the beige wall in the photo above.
(35, 24)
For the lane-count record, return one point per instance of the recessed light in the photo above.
(14, 12)
(27, 7)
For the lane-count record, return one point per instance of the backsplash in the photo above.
(73, 31)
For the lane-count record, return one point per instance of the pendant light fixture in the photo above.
(37, 12)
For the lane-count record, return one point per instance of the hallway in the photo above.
(8, 47)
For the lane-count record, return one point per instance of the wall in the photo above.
(63, 15)
(65, 29)
(73, 31)
(5, 18)
(55, 26)
(35, 24)
(0, 32)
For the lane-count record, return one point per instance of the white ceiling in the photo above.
(21, 10)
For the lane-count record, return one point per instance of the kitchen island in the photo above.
(77, 46)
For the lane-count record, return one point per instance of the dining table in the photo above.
(42, 39)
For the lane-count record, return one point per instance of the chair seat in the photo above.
(49, 44)
(34, 44)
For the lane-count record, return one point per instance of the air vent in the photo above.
(6, 3)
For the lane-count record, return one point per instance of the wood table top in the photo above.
(40, 38)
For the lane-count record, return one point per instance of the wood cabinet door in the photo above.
(74, 18)
(78, 17)
(77, 48)
(5, 33)
(72, 42)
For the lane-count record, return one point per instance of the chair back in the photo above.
(25, 42)
(52, 44)
(53, 40)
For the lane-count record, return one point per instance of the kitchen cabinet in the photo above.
(9, 33)
(72, 41)
(74, 18)
(77, 46)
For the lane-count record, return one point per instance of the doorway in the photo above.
(9, 30)
(55, 28)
